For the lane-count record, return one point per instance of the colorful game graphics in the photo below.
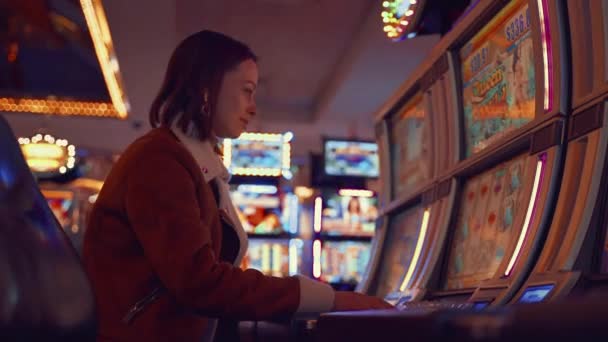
(256, 154)
(344, 262)
(410, 137)
(351, 158)
(485, 229)
(399, 246)
(274, 257)
(258, 212)
(498, 77)
(349, 215)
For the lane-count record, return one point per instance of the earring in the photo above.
(205, 109)
(205, 106)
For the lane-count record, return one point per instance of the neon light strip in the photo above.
(317, 214)
(227, 153)
(286, 156)
(57, 107)
(277, 257)
(543, 13)
(529, 214)
(102, 40)
(261, 136)
(423, 229)
(355, 193)
(316, 257)
(257, 188)
(244, 171)
(294, 246)
(266, 258)
(294, 214)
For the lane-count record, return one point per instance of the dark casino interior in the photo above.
(449, 157)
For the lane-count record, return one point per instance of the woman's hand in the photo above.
(352, 301)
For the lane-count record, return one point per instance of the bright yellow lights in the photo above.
(243, 171)
(356, 193)
(47, 154)
(261, 136)
(423, 229)
(317, 214)
(303, 192)
(102, 40)
(526, 226)
(394, 16)
(58, 107)
(88, 183)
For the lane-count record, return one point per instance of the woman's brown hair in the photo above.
(197, 67)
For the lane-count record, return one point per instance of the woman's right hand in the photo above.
(352, 301)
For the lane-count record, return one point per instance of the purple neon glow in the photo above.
(547, 48)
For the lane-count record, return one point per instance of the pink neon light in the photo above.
(547, 48)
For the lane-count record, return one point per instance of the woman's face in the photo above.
(236, 100)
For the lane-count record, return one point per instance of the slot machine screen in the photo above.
(351, 158)
(344, 262)
(485, 228)
(536, 294)
(410, 152)
(259, 208)
(254, 154)
(274, 257)
(349, 215)
(498, 77)
(398, 250)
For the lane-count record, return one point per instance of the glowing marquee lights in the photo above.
(399, 17)
(104, 49)
(285, 155)
(46, 154)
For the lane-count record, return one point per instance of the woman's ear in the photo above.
(206, 96)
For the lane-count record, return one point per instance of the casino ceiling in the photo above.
(322, 63)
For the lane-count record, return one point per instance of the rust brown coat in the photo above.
(156, 223)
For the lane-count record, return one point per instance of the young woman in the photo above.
(164, 243)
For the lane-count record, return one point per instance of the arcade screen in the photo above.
(351, 158)
(349, 215)
(410, 139)
(344, 262)
(253, 154)
(273, 257)
(259, 211)
(490, 202)
(61, 204)
(398, 250)
(498, 84)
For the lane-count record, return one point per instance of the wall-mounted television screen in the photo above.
(351, 158)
